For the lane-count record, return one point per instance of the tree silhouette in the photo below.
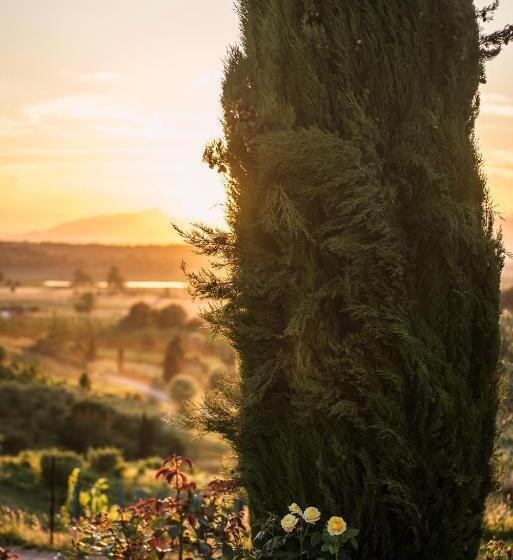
(173, 360)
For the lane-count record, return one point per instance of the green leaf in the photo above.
(227, 551)
(315, 539)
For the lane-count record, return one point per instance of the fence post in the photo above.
(52, 499)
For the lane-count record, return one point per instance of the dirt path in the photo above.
(143, 388)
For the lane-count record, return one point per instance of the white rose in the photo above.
(311, 515)
(289, 522)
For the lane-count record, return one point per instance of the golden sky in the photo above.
(105, 106)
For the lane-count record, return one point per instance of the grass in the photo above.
(20, 528)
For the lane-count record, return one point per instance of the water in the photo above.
(134, 285)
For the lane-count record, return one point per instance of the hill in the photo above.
(141, 228)
(37, 262)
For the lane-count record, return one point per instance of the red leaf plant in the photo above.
(189, 523)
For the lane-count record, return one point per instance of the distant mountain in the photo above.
(151, 227)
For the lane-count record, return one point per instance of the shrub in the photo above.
(187, 524)
(65, 463)
(55, 416)
(106, 460)
(183, 388)
(209, 523)
(13, 442)
(172, 316)
(140, 316)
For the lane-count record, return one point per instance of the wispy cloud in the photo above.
(80, 107)
(496, 104)
(97, 77)
(11, 127)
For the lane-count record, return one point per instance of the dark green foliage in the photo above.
(105, 460)
(173, 359)
(360, 281)
(148, 430)
(13, 442)
(65, 462)
(38, 415)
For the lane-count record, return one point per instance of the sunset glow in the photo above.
(106, 106)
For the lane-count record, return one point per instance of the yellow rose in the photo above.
(289, 522)
(294, 508)
(311, 515)
(336, 526)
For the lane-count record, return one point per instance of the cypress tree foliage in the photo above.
(359, 278)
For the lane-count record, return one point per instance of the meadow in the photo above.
(88, 387)
(93, 388)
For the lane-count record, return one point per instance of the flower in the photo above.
(336, 526)
(289, 522)
(294, 508)
(311, 515)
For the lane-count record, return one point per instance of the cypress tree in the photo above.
(360, 273)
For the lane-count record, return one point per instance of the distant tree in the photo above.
(81, 278)
(172, 316)
(182, 389)
(147, 436)
(174, 358)
(85, 382)
(115, 280)
(3, 355)
(85, 303)
(140, 316)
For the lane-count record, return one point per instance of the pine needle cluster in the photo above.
(359, 278)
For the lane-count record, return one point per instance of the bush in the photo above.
(192, 524)
(106, 460)
(172, 316)
(65, 462)
(140, 316)
(55, 416)
(13, 442)
(183, 388)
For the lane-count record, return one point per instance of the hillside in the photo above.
(141, 228)
(37, 262)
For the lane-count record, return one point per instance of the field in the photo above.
(58, 358)
(66, 346)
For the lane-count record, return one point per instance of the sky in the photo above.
(106, 105)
